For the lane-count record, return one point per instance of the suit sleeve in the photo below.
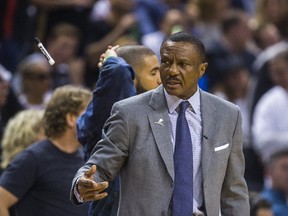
(112, 151)
(115, 83)
(234, 195)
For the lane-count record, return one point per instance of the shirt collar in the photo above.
(173, 101)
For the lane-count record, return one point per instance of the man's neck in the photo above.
(67, 143)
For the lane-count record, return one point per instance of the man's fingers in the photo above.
(92, 197)
(114, 47)
(101, 186)
(90, 190)
(100, 64)
(89, 185)
(102, 56)
(84, 182)
(111, 51)
(89, 174)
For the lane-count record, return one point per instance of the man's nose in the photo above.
(158, 79)
(173, 70)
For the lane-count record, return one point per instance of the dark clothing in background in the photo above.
(40, 177)
(115, 83)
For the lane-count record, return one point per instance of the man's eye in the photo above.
(182, 64)
(165, 62)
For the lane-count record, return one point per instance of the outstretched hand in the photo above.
(89, 189)
(109, 52)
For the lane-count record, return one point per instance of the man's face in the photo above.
(63, 48)
(148, 76)
(38, 78)
(180, 69)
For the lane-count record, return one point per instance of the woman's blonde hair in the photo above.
(21, 131)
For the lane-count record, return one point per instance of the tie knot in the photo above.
(183, 106)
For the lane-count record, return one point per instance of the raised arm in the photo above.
(115, 83)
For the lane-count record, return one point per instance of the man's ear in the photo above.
(202, 68)
(135, 82)
(71, 119)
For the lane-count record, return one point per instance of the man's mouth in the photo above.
(173, 83)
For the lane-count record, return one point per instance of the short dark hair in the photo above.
(188, 38)
(134, 54)
(231, 18)
(65, 29)
(257, 202)
(277, 155)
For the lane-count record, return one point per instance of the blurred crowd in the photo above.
(247, 52)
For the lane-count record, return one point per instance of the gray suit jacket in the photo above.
(141, 151)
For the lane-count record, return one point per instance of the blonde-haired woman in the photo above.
(25, 128)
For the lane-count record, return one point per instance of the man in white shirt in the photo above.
(270, 120)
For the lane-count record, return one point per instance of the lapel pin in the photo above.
(160, 122)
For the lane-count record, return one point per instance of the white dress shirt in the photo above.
(270, 122)
(193, 116)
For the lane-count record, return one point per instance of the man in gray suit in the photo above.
(139, 141)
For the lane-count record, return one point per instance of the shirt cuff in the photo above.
(76, 193)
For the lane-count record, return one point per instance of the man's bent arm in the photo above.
(7, 200)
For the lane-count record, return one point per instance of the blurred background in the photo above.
(246, 46)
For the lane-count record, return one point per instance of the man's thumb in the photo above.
(90, 172)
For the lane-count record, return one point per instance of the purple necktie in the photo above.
(182, 201)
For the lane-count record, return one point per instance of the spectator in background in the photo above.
(172, 22)
(152, 12)
(234, 42)
(273, 11)
(246, 5)
(124, 71)
(18, 20)
(266, 35)
(276, 191)
(237, 85)
(5, 77)
(132, 69)
(120, 26)
(259, 206)
(22, 130)
(63, 44)
(208, 25)
(260, 66)
(52, 12)
(38, 180)
(270, 128)
(8, 102)
(33, 83)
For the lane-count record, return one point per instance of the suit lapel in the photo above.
(209, 123)
(161, 128)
